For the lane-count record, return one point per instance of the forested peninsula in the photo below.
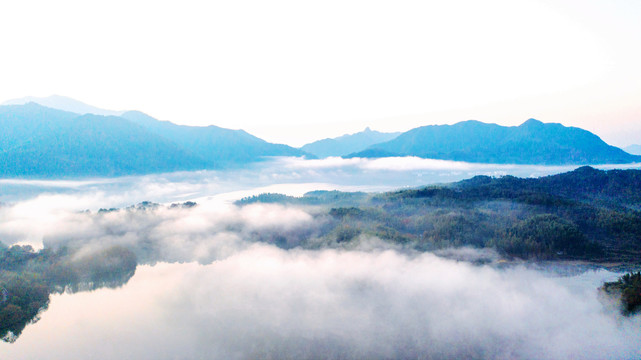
(587, 214)
(29, 277)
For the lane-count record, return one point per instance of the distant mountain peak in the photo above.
(137, 115)
(347, 144)
(634, 149)
(63, 103)
(466, 124)
(532, 122)
(134, 112)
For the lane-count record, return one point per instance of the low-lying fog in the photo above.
(286, 175)
(263, 302)
(211, 288)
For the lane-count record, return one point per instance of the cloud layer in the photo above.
(264, 302)
(215, 287)
(285, 175)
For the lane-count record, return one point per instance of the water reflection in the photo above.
(28, 278)
(265, 302)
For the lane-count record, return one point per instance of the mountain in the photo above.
(225, 146)
(38, 141)
(63, 103)
(347, 144)
(533, 142)
(633, 149)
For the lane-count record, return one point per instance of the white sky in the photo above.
(298, 71)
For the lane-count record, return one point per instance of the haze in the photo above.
(243, 280)
(293, 72)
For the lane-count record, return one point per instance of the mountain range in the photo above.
(52, 141)
(533, 142)
(223, 146)
(38, 141)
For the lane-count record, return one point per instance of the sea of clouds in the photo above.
(213, 286)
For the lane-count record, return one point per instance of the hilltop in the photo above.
(533, 142)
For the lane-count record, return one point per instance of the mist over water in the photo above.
(287, 175)
(212, 287)
(264, 302)
(33, 209)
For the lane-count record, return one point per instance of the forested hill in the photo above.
(40, 142)
(614, 188)
(586, 214)
(533, 142)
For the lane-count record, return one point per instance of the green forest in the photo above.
(586, 214)
(628, 289)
